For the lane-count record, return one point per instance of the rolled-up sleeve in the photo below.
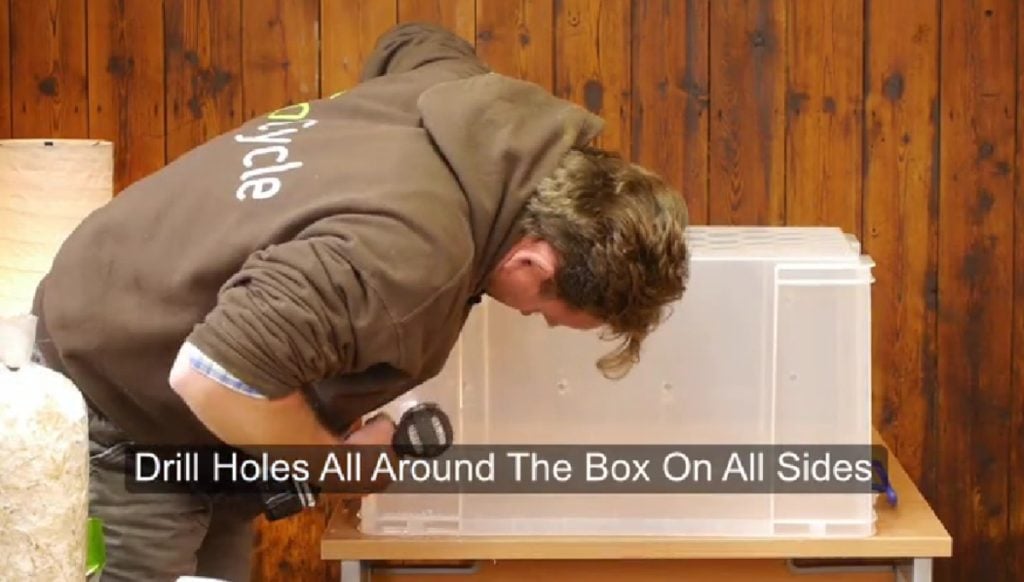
(202, 364)
(293, 315)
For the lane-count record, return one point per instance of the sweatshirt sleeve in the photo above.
(410, 46)
(295, 313)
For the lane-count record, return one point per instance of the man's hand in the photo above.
(374, 439)
(378, 431)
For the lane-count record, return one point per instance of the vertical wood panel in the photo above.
(126, 84)
(292, 547)
(748, 89)
(280, 54)
(282, 68)
(900, 228)
(204, 71)
(49, 89)
(1015, 509)
(456, 15)
(350, 28)
(592, 45)
(516, 38)
(5, 75)
(978, 92)
(350, 31)
(670, 95)
(823, 106)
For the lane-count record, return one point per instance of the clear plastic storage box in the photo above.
(771, 344)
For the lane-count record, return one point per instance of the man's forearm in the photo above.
(259, 426)
(241, 420)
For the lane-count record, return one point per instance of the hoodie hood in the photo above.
(501, 136)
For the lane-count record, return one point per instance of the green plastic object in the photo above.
(95, 548)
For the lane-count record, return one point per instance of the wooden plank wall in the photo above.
(900, 124)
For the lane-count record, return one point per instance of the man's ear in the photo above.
(539, 255)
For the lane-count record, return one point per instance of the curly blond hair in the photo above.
(618, 229)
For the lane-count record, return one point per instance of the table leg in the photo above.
(916, 570)
(354, 571)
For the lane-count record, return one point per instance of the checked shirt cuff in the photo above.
(202, 364)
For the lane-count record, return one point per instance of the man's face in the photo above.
(558, 314)
(522, 280)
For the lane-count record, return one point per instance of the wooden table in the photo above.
(908, 538)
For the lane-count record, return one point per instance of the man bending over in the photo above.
(282, 280)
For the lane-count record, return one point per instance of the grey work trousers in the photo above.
(158, 537)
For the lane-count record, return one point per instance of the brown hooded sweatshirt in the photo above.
(334, 246)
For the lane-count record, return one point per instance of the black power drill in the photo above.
(424, 431)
